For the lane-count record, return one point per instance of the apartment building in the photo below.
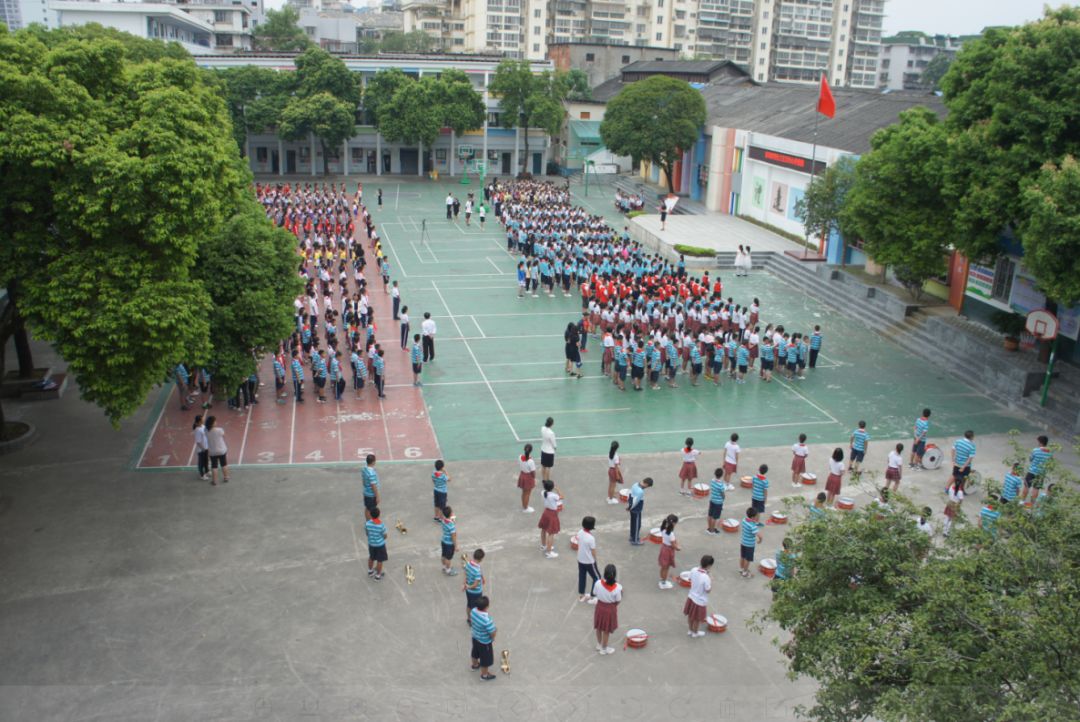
(905, 56)
(787, 40)
(234, 21)
(18, 14)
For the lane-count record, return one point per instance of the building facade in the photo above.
(602, 61)
(234, 23)
(18, 14)
(153, 21)
(502, 149)
(905, 57)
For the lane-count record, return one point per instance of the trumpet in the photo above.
(409, 575)
(505, 661)
(401, 527)
(464, 559)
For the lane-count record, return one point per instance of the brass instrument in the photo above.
(409, 575)
(401, 527)
(505, 661)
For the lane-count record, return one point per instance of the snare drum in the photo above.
(768, 567)
(700, 490)
(716, 622)
(684, 579)
(655, 535)
(778, 517)
(624, 494)
(573, 542)
(845, 503)
(809, 479)
(730, 525)
(747, 482)
(933, 457)
(636, 638)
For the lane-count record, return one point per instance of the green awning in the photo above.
(586, 131)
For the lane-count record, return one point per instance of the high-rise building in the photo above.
(18, 14)
(787, 40)
(905, 56)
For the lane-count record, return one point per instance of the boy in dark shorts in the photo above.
(376, 534)
(449, 541)
(474, 583)
(483, 639)
(751, 537)
(717, 494)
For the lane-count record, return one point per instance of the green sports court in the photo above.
(499, 371)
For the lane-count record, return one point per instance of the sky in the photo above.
(948, 17)
(959, 17)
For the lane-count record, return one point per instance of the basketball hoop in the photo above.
(465, 152)
(1042, 324)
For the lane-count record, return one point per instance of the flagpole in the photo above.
(813, 168)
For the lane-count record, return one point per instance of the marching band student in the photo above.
(370, 477)
(817, 509)
(416, 356)
(860, 442)
(449, 541)
(785, 564)
(894, 468)
(759, 492)
(549, 520)
(799, 452)
(474, 583)
(1036, 472)
(836, 475)
(697, 600)
(751, 537)
(359, 371)
(668, 546)
(1010, 488)
(636, 505)
(526, 477)
(483, 639)
(439, 480)
(923, 523)
(918, 446)
(608, 594)
(815, 346)
(688, 471)
(586, 558)
(614, 473)
(376, 535)
(717, 495)
(731, 457)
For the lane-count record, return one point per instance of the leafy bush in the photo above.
(694, 250)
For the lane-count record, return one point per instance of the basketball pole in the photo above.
(1049, 370)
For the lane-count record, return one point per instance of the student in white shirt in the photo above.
(427, 328)
(614, 473)
(549, 521)
(698, 599)
(547, 449)
(202, 448)
(586, 559)
(526, 477)
(893, 470)
(608, 594)
(799, 452)
(731, 457)
(668, 546)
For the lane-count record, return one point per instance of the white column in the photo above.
(420, 158)
(378, 154)
(313, 164)
(485, 158)
(517, 141)
(280, 156)
(451, 160)
(345, 157)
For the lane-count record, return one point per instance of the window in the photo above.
(260, 154)
(839, 66)
(221, 16)
(586, 114)
(537, 13)
(761, 61)
(1003, 278)
(765, 15)
(659, 37)
(659, 3)
(536, 47)
(626, 59)
(763, 45)
(761, 76)
(843, 23)
(536, 30)
(911, 63)
(764, 31)
(590, 57)
(659, 19)
(493, 118)
(357, 155)
(842, 37)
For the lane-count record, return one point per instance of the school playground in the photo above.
(499, 370)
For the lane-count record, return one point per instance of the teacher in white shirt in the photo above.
(547, 449)
(427, 330)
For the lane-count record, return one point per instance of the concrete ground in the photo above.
(129, 595)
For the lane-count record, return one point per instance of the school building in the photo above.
(369, 153)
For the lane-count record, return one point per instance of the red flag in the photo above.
(826, 104)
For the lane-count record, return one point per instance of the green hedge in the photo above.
(694, 250)
(635, 214)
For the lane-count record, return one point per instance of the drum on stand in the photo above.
(933, 457)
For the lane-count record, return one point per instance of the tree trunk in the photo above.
(12, 324)
(325, 157)
(525, 154)
(669, 170)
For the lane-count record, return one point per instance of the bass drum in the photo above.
(933, 457)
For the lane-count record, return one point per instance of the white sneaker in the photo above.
(609, 650)
(699, 634)
(583, 598)
(551, 555)
(603, 650)
(592, 600)
(666, 585)
(689, 634)
(527, 510)
(599, 649)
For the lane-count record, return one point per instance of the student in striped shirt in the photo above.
(279, 379)
(742, 360)
(815, 346)
(918, 446)
(860, 441)
(695, 364)
(370, 477)
(963, 452)
(1010, 489)
(449, 541)
(416, 356)
(785, 563)
(767, 358)
(717, 496)
(817, 509)
(474, 583)
(359, 371)
(1036, 472)
(989, 515)
(378, 366)
(376, 536)
(483, 639)
(760, 489)
(336, 376)
(751, 537)
(439, 480)
(318, 371)
(297, 376)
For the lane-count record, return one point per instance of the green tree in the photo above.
(654, 119)
(280, 31)
(249, 268)
(529, 100)
(893, 627)
(95, 237)
(317, 71)
(322, 115)
(255, 97)
(411, 114)
(577, 85)
(935, 70)
(380, 88)
(1051, 206)
(414, 41)
(1012, 96)
(911, 228)
(820, 209)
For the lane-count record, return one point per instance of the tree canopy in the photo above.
(820, 209)
(531, 100)
(982, 626)
(395, 41)
(118, 165)
(654, 119)
(324, 102)
(281, 32)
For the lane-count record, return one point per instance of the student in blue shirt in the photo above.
(474, 583)
(750, 537)
(378, 366)
(1036, 472)
(620, 365)
(760, 490)
(298, 376)
(963, 452)
(637, 361)
(336, 376)
(359, 371)
(717, 495)
(742, 360)
(785, 563)
(416, 357)
(439, 480)
(860, 442)
(370, 479)
(918, 447)
(318, 371)
(636, 505)
(1010, 489)
(483, 639)
(815, 346)
(279, 380)
(376, 536)
(449, 541)
(695, 364)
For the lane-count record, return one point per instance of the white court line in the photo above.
(247, 425)
(191, 457)
(397, 195)
(292, 428)
(478, 327)
(479, 368)
(529, 363)
(153, 431)
(444, 277)
(386, 430)
(561, 412)
(502, 287)
(499, 338)
(404, 273)
(340, 449)
(694, 431)
(804, 398)
(492, 262)
(416, 250)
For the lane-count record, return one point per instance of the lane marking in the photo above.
(247, 425)
(696, 431)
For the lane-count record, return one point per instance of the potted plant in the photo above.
(1011, 325)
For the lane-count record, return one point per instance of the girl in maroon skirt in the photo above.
(549, 520)
(668, 546)
(526, 477)
(836, 475)
(799, 452)
(608, 594)
(698, 599)
(688, 470)
(614, 473)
